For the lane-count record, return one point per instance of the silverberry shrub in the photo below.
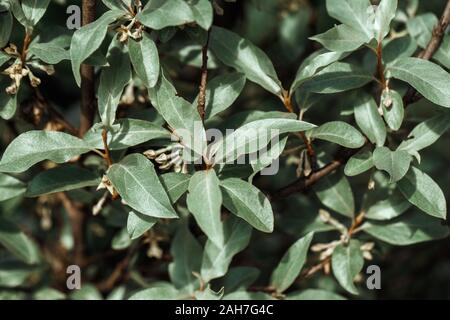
(196, 149)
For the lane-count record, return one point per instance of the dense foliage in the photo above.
(197, 149)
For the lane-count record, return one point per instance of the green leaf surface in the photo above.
(429, 79)
(354, 13)
(131, 132)
(62, 178)
(338, 132)
(113, 80)
(245, 57)
(87, 40)
(341, 38)
(50, 52)
(157, 293)
(6, 23)
(247, 202)
(359, 163)
(136, 181)
(403, 231)
(393, 110)
(369, 120)
(34, 146)
(176, 184)
(384, 14)
(426, 133)
(204, 201)
(10, 187)
(291, 264)
(338, 77)
(138, 224)
(145, 59)
(34, 10)
(221, 92)
(395, 163)
(254, 136)
(187, 256)
(19, 244)
(313, 64)
(216, 259)
(424, 193)
(335, 192)
(347, 261)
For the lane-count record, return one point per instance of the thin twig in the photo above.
(107, 154)
(87, 77)
(204, 78)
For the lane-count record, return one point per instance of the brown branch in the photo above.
(204, 78)
(427, 53)
(380, 66)
(87, 77)
(304, 183)
(107, 155)
(76, 217)
(119, 271)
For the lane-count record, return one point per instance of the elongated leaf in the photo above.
(389, 208)
(254, 136)
(359, 163)
(384, 14)
(131, 132)
(34, 10)
(341, 38)
(6, 23)
(216, 259)
(313, 64)
(429, 79)
(354, 13)
(4, 58)
(335, 192)
(160, 14)
(426, 133)
(187, 254)
(337, 77)
(414, 228)
(179, 114)
(135, 180)
(245, 57)
(18, 243)
(221, 92)
(396, 163)
(423, 192)
(204, 201)
(291, 264)
(247, 202)
(338, 132)
(176, 184)
(34, 146)
(113, 80)
(50, 53)
(393, 110)
(346, 262)
(63, 178)
(138, 224)
(8, 103)
(88, 39)
(369, 120)
(145, 59)
(10, 187)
